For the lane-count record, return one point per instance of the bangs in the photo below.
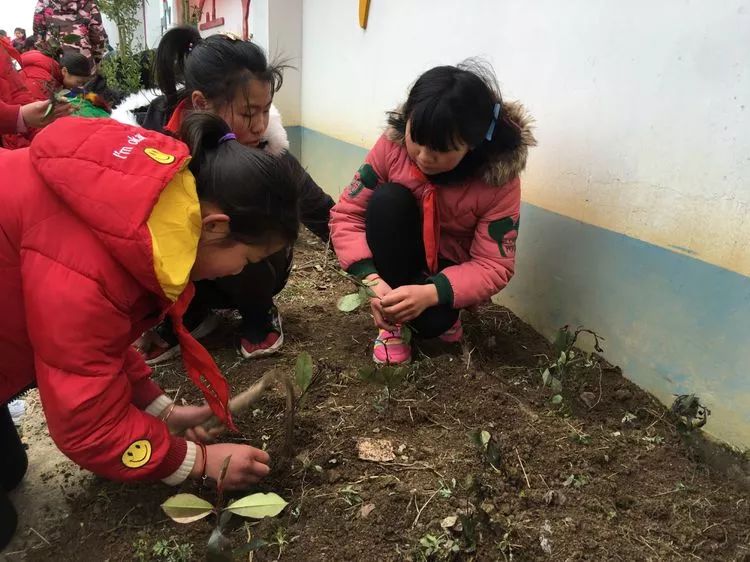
(432, 123)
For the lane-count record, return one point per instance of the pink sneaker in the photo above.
(454, 334)
(390, 349)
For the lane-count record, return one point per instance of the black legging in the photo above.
(394, 235)
(13, 464)
(250, 292)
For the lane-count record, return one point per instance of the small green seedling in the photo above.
(388, 376)
(487, 446)
(690, 413)
(350, 496)
(437, 547)
(554, 374)
(576, 480)
(187, 508)
(352, 301)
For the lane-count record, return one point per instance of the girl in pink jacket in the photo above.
(432, 215)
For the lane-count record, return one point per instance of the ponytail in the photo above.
(174, 48)
(257, 191)
(217, 66)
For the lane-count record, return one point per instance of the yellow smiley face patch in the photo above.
(159, 156)
(137, 454)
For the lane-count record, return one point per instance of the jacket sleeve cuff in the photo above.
(185, 467)
(160, 404)
(362, 268)
(444, 289)
(20, 123)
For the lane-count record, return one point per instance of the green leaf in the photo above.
(303, 371)
(219, 547)
(406, 334)
(372, 374)
(557, 399)
(556, 385)
(562, 340)
(186, 508)
(350, 302)
(484, 437)
(545, 377)
(369, 282)
(393, 376)
(563, 358)
(258, 506)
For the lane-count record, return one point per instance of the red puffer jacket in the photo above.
(99, 233)
(43, 74)
(13, 92)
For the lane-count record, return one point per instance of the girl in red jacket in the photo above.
(105, 229)
(233, 79)
(431, 217)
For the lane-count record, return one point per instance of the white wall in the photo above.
(643, 107)
(17, 13)
(285, 43)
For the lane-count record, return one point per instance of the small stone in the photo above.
(333, 476)
(449, 522)
(488, 507)
(366, 509)
(588, 398)
(623, 394)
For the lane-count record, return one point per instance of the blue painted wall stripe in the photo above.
(674, 324)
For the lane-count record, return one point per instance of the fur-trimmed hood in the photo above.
(274, 142)
(508, 165)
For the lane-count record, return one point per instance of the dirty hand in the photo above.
(380, 288)
(34, 114)
(247, 467)
(404, 304)
(188, 419)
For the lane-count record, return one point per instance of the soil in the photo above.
(604, 475)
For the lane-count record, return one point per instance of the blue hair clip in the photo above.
(227, 137)
(495, 116)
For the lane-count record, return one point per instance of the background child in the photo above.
(19, 39)
(233, 79)
(433, 214)
(89, 264)
(45, 75)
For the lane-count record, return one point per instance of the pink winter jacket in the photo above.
(478, 218)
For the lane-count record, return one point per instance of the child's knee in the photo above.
(392, 201)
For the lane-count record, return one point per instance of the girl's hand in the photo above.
(405, 303)
(35, 113)
(381, 289)
(188, 420)
(247, 467)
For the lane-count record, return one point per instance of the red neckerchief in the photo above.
(199, 364)
(430, 220)
(173, 125)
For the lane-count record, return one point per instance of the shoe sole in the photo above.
(264, 352)
(201, 331)
(379, 362)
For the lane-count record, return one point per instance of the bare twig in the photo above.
(522, 467)
(600, 387)
(419, 511)
(38, 534)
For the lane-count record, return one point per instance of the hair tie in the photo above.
(495, 116)
(227, 137)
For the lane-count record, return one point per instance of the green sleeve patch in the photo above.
(504, 232)
(364, 178)
(368, 176)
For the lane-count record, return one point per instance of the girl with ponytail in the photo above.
(232, 79)
(89, 265)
